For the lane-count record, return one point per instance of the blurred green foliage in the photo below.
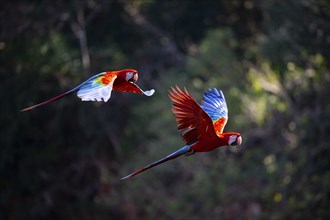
(64, 161)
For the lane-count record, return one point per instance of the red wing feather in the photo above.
(121, 85)
(190, 117)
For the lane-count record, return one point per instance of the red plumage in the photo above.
(197, 128)
(99, 87)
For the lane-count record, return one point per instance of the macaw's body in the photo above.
(201, 125)
(99, 87)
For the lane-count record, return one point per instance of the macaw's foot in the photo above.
(191, 152)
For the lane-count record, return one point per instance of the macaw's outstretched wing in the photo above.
(214, 104)
(172, 156)
(128, 86)
(96, 88)
(190, 117)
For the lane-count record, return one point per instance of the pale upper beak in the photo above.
(239, 140)
(135, 78)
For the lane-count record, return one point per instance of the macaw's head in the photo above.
(234, 141)
(129, 75)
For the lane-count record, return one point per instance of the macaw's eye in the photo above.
(131, 77)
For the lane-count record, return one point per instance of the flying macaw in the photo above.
(201, 125)
(99, 87)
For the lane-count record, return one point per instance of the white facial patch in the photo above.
(232, 138)
(129, 76)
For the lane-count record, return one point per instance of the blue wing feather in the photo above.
(94, 90)
(214, 104)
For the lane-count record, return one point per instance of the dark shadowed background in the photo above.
(64, 161)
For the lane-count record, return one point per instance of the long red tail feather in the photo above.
(48, 101)
(172, 156)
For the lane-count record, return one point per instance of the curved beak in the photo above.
(239, 140)
(135, 78)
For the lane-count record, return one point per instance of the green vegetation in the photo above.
(64, 161)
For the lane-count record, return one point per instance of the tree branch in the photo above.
(79, 29)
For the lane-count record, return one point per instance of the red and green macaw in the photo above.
(99, 87)
(201, 125)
